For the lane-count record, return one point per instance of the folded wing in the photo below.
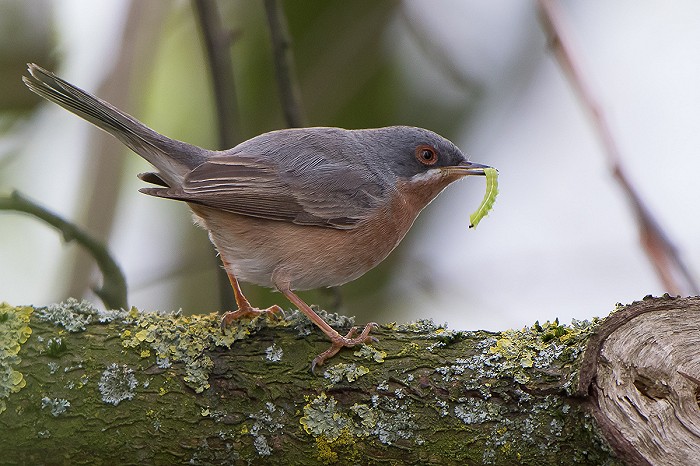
(311, 190)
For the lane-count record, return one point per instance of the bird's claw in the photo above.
(247, 313)
(340, 342)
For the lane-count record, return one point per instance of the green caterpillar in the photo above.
(489, 197)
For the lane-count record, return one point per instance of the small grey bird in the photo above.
(293, 209)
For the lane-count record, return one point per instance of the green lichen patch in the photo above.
(14, 331)
(370, 353)
(322, 417)
(546, 354)
(56, 347)
(349, 372)
(174, 338)
(342, 450)
(389, 419)
(427, 329)
(530, 353)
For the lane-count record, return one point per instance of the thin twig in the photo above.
(287, 82)
(217, 42)
(284, 65)
(113, 289)
(434, 52)
(659, 248)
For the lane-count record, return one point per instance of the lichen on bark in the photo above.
(181, 391)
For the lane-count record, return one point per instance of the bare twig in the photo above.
(284, 65)
(287, 83)
(113, 289)
(217, 42)
(434, 52)
(659, 248)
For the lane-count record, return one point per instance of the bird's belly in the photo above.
(271, 253)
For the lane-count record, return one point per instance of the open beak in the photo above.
(467, 168)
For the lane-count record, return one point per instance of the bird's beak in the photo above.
(467, 168)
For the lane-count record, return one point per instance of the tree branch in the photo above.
(658, 246)
(290, 95)
(217, 43)
(113, 289)
(127, 386)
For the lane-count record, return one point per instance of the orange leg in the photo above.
(337, 340)
(245, 310)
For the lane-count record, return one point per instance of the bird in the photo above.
(290, 209)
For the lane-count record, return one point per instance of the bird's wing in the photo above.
(312, 191)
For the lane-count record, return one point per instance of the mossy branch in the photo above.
(133, 387)
(113, 289)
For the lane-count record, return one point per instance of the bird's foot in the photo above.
(339, 342)
(248, 312)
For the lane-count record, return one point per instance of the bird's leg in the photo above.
(244, 307)
(337, 340)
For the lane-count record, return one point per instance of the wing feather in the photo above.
(308, 190)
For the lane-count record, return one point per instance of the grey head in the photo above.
(409, 152)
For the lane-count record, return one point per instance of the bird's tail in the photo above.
(172, 158)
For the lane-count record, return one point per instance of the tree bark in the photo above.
(82, 386)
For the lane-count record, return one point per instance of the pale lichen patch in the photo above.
(304, 326)
(395, 420)
(105, 316)
(542, 424)
(274, 353)
(57, 406)
(443, 407)
(421, 326)
(267, 421)
(118, 383)
(73, 315)
(477, 411)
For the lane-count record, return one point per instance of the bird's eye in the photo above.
(426, 155)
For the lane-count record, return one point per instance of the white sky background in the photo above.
(560, 242)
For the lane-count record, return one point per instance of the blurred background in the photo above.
(561, 241)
